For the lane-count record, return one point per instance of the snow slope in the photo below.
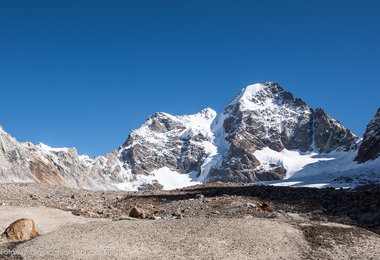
(293, 161)
(337, 169)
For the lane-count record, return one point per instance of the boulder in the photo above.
(137, 213)
(21, 229)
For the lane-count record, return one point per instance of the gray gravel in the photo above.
(170, 239)
(220, 226)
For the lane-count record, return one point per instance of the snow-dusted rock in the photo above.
(181, 143)
(26, 162)
(14, 160)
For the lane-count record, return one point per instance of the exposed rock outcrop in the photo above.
(370, 147)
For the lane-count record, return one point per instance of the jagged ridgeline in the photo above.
(264, 133)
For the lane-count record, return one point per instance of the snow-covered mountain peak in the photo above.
(246, 94)
(251, 90)
(162, 125)
(269, 113)
(179, 143)
(269, 97)
(265, 116)
(265, 133)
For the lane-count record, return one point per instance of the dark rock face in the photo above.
(370, 147)
(330, 135)
(267, 116)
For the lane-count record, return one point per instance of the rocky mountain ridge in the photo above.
(181, 150)
(370, 147)
(26, 162)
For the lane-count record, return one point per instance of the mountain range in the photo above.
(264, 135)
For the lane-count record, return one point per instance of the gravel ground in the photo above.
(170, 239)
(215, 222)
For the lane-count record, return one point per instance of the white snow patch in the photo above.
(292, 161)
(167, 178)
(245, 98)
(339, 171)
(254, 88)
(172, 179)
(51, 149)
(129, 185)
(198, 123)
(216, 149)
(246, 93)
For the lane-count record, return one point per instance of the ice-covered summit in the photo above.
(247, 93)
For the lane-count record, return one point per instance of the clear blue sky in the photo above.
(84, 73)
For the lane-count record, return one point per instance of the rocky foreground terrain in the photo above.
(214, 221)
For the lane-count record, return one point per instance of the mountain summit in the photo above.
(267, 116)
(263, 134)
